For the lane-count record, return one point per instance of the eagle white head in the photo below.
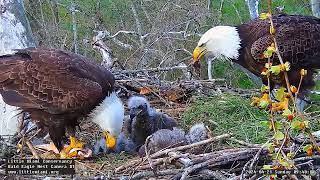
(219, 41)
(109, 115)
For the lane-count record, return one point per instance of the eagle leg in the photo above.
(74, 143)
(56, 134)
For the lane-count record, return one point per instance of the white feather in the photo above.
(222, 42)
(109, 115)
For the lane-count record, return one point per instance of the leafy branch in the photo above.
(282, 120)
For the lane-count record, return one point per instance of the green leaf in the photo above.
(286, 112)
(272, 30)
(267, 167)
(280, 93)
(295, 124)
(284, 163)
(267, 54)
(275, 70)
(265, 123)
(279, 135)
(275, 157)
(277, 125)
(263, 104)
(270, 147)
(264, 88)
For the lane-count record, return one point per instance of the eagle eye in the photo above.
(201, 45)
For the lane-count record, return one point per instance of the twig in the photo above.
(315, 157)
(166, 151)
(148, 154)
(152, 70)
(145, 174)
(33, 151)
(245, 167)
(189, 146)
(256, 158)
(245, 143)
(305, 163)
(189, 170)
(34, 134)
(94, 169)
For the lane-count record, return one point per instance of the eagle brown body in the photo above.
(55, 87)
(298, 39)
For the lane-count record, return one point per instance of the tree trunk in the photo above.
(315, 5)
(253, 6)
(15, 33)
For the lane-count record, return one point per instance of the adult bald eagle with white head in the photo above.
(298, 40)
(58, 89)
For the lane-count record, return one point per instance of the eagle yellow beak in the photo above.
(110, 140)
(198, 52)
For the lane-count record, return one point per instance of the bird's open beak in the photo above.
(198, 52)
(110, 140)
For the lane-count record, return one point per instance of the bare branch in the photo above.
(153, 69)
(74, 26)
(107, 59)
(138, 23)
(106, 34)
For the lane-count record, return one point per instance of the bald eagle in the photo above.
(298, 41)
(145, 120)
(58, 89)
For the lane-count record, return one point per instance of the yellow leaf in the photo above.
(285, 66)
(268, 65)
(293, 89)
(265, 73)
(264, 16)
(262, 102)
(272, 30)
(303, 72)
(280, 106)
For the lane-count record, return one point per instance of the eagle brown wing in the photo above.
(52, 80)
(298, 39)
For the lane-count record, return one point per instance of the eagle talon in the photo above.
(67, 152)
